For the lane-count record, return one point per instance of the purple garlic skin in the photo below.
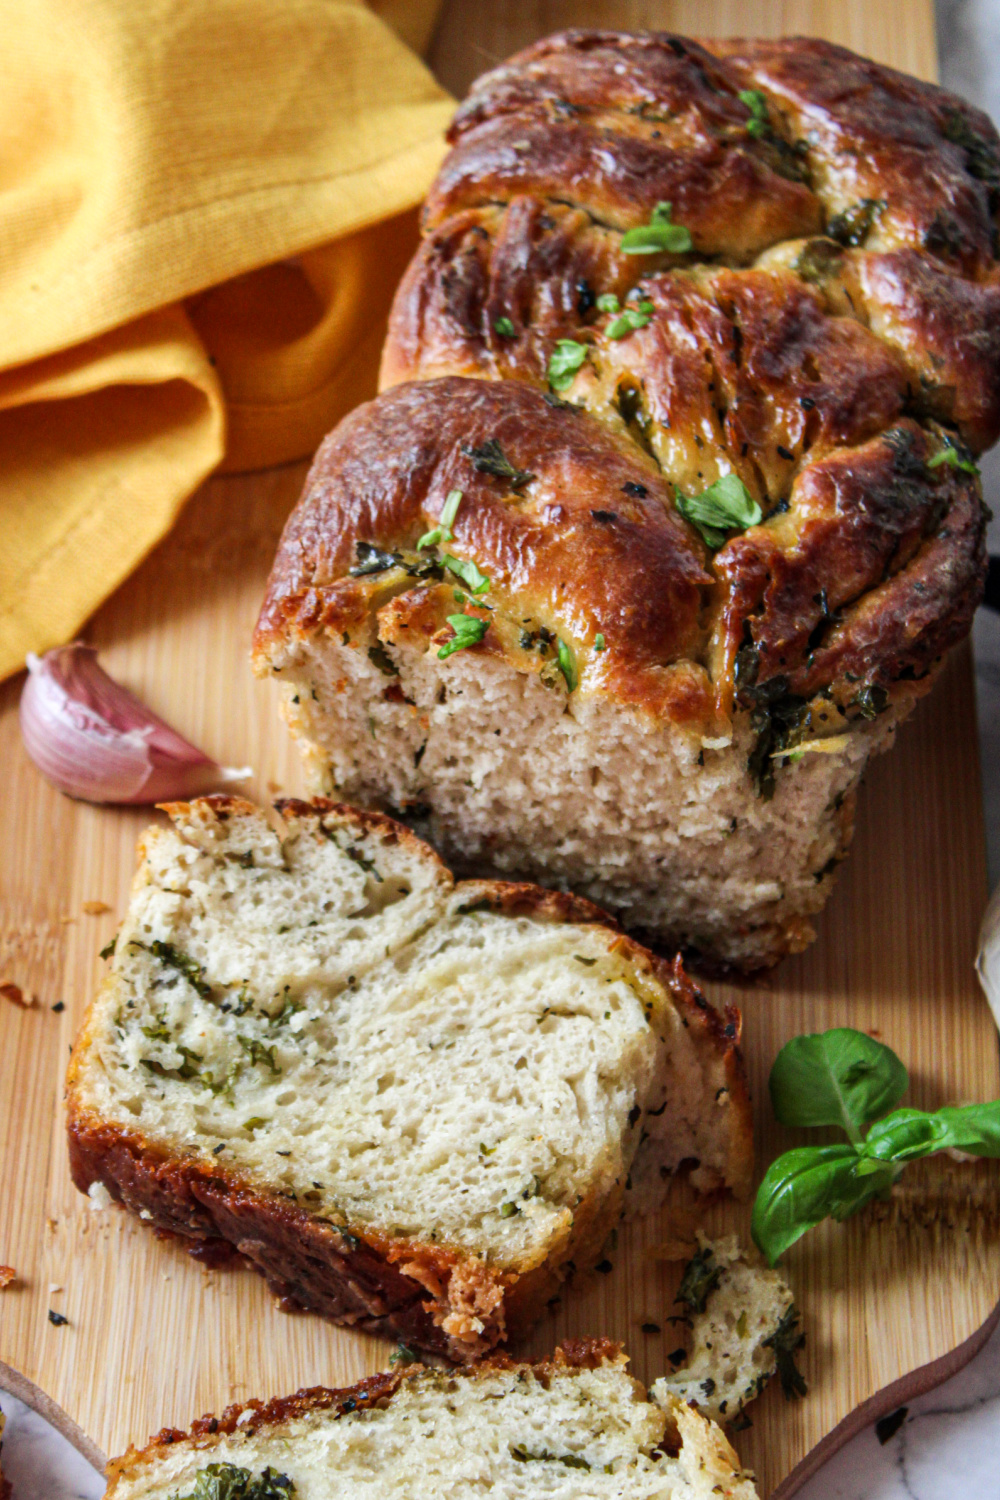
(95, 740)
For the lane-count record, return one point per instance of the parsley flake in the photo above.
(469, 631)
(599, 643)
(758, 123)
(564, 361)
(567, 665)
(726, 506)
(442, 531)
(372, 559)
(505, 328)
(954, 459)
(475, 582)
(659, 235)
(489, 458)
(629, 320)
(607, 302)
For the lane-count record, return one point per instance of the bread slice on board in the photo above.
(413, 1105)
(574, 1426)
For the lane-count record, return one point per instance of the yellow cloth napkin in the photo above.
(205, 206)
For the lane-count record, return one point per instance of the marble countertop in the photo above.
(947, 1445)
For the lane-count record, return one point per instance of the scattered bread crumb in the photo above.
(95, 908)
(7, 1275)
(15, 993)
(735, 1333)
(99, 1197)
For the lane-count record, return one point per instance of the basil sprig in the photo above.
(726, 506)
(847, 1079)
(659, 235)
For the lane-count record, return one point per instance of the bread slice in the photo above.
(576, 1425)
(413, 1105)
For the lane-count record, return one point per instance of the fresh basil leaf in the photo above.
(840, 1077)
(564, 361)
(911, 1133)
(658, 236)
(726, 506)
(475, 582)
(469, 631)
(442, 531)
(805, 1186)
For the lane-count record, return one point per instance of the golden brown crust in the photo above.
(556, 550)
(614, 123)
(875, 134)
(252, 1417)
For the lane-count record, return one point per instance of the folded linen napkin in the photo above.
(204, 209)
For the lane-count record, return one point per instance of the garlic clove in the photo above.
(95, 740)
(988, 957)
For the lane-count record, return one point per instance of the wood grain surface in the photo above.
(153, 1338)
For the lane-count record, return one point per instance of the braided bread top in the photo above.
(826, 328)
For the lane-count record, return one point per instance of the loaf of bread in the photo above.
(668, 511)
(573, 1426)
(413, 1105)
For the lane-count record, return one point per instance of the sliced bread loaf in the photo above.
(413, 1105)
(574, 1426)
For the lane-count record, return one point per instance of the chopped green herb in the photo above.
(379, 657)
(786, 1340)
(475, 582)
(402, 1355)
(258, 1053)
(57, 1319)
(564, 361)
(508, 1210)
(818, 260)
(598, 642)
(505, 328)
(174, 959)
(489, 458)
(568, 1460)
(701, 1277)
(255, 1122)
(659, 235)
(567, 665)
(851, 227)
(608, 302)
(485, 1150)
(741, 1325)
(954, 459)
(442, 531)
(372, 559)
(109, 948)
(726, 506)
(629, 320)
(590, 962)
(227, 1482)
(758, 124)
(469, 631)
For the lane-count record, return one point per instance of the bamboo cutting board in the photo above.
(152, 1338)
